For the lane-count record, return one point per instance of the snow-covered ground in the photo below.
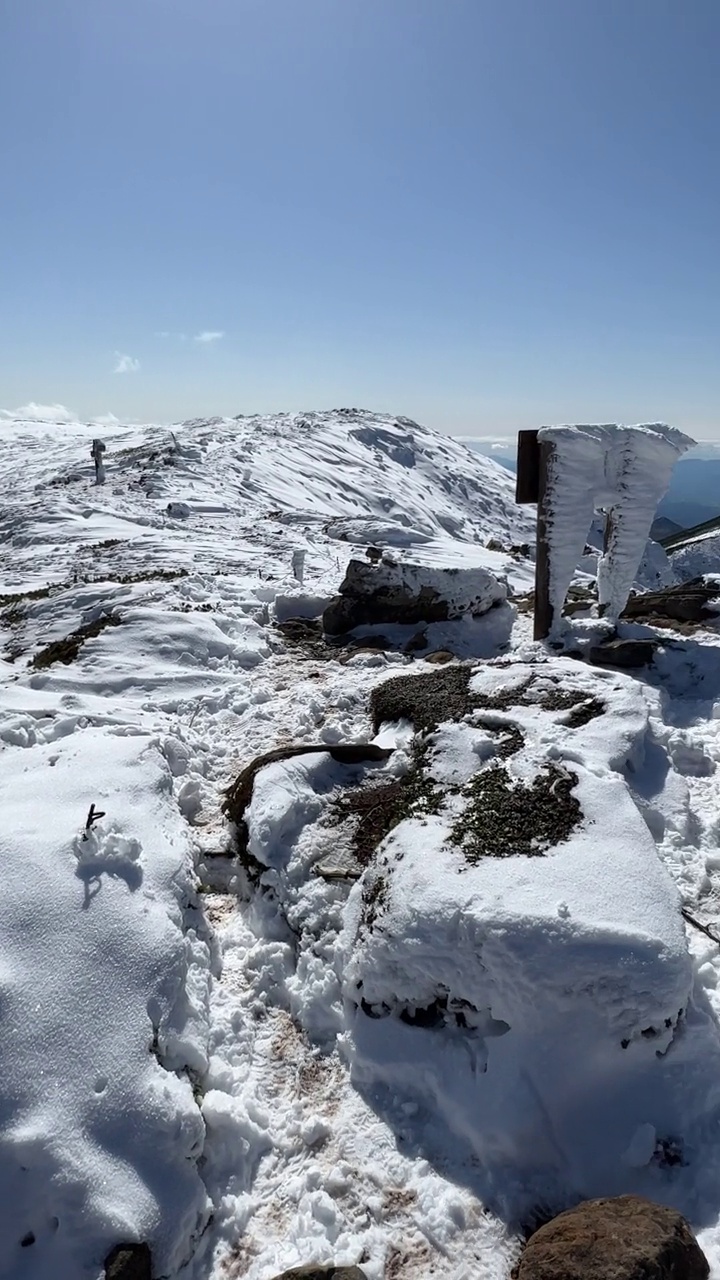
(185, 1058)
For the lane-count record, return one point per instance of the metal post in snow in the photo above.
(533, 458)
(96, 453)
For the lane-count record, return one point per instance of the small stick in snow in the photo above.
(93, 816)
(702, 927)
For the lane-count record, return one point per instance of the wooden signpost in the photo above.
(533, 457)
(96, 453)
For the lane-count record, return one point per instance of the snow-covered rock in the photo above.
(699, 557)
(515, 952)
(399, 593)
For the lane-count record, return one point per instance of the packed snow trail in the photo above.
(215, 1018)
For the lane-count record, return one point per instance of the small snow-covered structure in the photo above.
(620, 470)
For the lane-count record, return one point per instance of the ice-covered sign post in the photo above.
(96, 453)
(574, 471)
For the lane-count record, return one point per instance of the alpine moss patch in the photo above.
(428, 699)
(503, 817)
(376, 810)
(67, 649)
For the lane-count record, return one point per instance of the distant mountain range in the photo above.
(694, 493)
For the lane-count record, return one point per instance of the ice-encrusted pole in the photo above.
(96, 453)
(572, 471)
(298, 565)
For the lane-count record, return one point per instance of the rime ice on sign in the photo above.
(96, 453)
(623, 471)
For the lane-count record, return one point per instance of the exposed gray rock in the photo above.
(626, 1238)
(623, 653)
(694, 601)
(129, 1262)
(399, 593)
(323, 1273)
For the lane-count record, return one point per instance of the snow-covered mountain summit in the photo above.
(359, 476)
(186, 1054)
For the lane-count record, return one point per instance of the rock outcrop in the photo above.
(694, 601)
(388, 593)
(625, 1238)
(129, 1262)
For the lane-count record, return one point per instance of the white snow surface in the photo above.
(183, 1059)
(699, 558)
(623, 470)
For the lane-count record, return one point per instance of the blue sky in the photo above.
(484, 215)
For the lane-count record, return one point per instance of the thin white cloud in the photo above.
(41, 413)
(167, 333)
(125, 364)
(105, 420)
(210, 335)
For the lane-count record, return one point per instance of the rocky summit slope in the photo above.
(427, 977)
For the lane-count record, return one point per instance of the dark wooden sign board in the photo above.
(531, 483)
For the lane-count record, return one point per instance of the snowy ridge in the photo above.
(155, 1003)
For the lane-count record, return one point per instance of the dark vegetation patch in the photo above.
(425, 700)
(21, 596)
(67, 649)
(307, 634)
(374, 899)
(532, 819)
(582, 707)
(501, 818)
(238, 795)
(504, 817)
(143, 575)
(429, 699)
(509, 740)
(15, 603)
(378, 809)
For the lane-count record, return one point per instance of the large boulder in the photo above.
(626, 1238)
(387, 593)
(514, 951)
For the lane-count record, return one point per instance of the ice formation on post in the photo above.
(623, 471)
